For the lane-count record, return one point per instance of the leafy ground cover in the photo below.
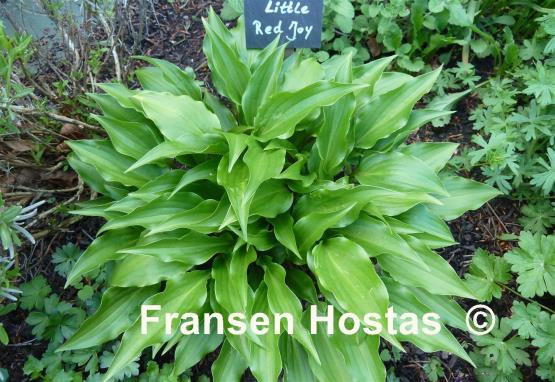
(34, 168)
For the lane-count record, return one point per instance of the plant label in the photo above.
(298, 23)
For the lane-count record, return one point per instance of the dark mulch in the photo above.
(174, 32)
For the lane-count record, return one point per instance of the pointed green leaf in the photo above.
(130, 272)
(174, 298)
(101, 327)
(229, 366)
(389, 112)
(193, 249)
(279, 115)
(183, 82)
(399, 172)
(434, 154)
(112, 165)
(103, 249)
(129, 138)
(464, 195)
(178, 117)
(282, 300)
(263, 82)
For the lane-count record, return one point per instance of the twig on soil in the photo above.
(61, 190)
(112, 42)
(57, 117)
(498, 218)
(526, 298)
(26, 343)
(80, 188)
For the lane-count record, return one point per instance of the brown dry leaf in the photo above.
(19, 146)
(374, 46)
(62, 147)
(72, 131)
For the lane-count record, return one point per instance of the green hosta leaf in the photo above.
(302, 285)
(245, 178)
(169, 111)
(271, 199)
(182, 82)
(369, 74)
(403, 301)
(279, 115)
(194, 347)
(438, 277)
(153, 79)
(383, 201)
(294, 173)
(301, 73)
(282, 300)
(263, 82)
(102, 250)
(204, 171)
(485, 274)
(432, 230)
(447, 101)
(464, 195)
(158, 186)
(101, 327)
(237, 144)
(229, 366)
(399, 172)
(226, 63)
(122, 95)
(155, 212)
(113, 109)
(129, 138)
(448, 309)
(389, 112)
(90, 175)
(208, 143)
(310, 228)
(378, 239)
(193, 249)
(390, 81)
(417, 119)
(174, 298)
(335, 139)
(230, 275)
(130, 272)
(362, 358)
(283, 230)
(265, 359)
(205, 217)
(295, 361)
(112, 165)
(434, 154)
(260, 236)
(344, 268)
(332, 367)
(226, 117)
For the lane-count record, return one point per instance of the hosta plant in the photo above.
(300, 193)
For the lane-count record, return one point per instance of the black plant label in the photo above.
(298, 23)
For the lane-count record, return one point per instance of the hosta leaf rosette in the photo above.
(301, 191)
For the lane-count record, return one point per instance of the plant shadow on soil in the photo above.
(175, 33)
